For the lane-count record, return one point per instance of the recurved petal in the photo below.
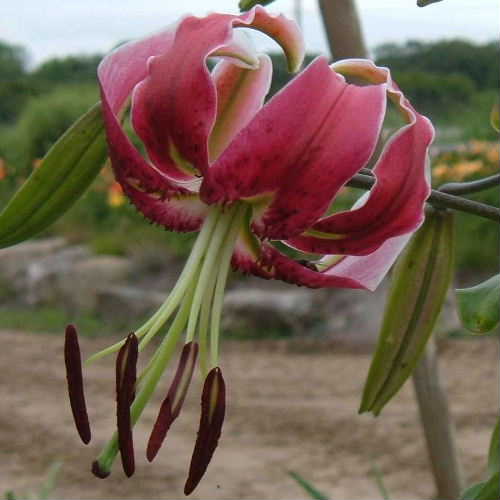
(158, 197)
(240, 94)
(395, 205)
(284, 31)
(148, 188)
(247, 255)
(123, 68)
(180, 212)
(299, 150)
(174, 107)
(332, 271)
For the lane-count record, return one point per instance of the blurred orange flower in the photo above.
(3, 169)
(116, 198)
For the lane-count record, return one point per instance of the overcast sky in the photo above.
(51, 28)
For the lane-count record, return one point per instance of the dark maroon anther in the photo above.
(172, 404)
(73, 361)
(213, 408)
(126, 373)
(98, 471)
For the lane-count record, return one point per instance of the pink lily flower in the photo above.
(246, 175)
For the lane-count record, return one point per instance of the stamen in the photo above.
(126, 366)
(172, 404)
(149, 379)
(201, 279)
(73, 360)
(213, 408)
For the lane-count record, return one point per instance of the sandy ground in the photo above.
(289, 408)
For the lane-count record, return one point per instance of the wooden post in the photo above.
(343, 28)
(438, 428)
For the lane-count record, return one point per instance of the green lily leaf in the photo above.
(488, 490)
(472, 492)
(478, 305)
(308, 487)
(420, 281)
(248, 4)
(494, 451)
(65, 173)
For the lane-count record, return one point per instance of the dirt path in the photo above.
(286, 411)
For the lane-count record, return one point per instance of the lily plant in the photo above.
(246, 175)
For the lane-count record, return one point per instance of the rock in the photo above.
(79, 285)
(354, 316)
(255, 311)
(129, 303)
(15, 260)
(42, 277)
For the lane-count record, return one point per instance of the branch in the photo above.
(470, 187)
(437, 199)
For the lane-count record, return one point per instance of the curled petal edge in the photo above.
(331, 271)
(395, 205)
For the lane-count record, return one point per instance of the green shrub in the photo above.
(435, 94)
(44, 119)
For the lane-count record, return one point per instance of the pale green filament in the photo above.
(188, 273)
(218, 298)
(204, 325)
(152, 326)
(207, 269)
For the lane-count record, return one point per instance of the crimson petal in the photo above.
(153, 192)
(174, 107)
(213, 408)
(299, 150)
(364, 272)
(73, 361)
(396, 202)
(172, 404)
